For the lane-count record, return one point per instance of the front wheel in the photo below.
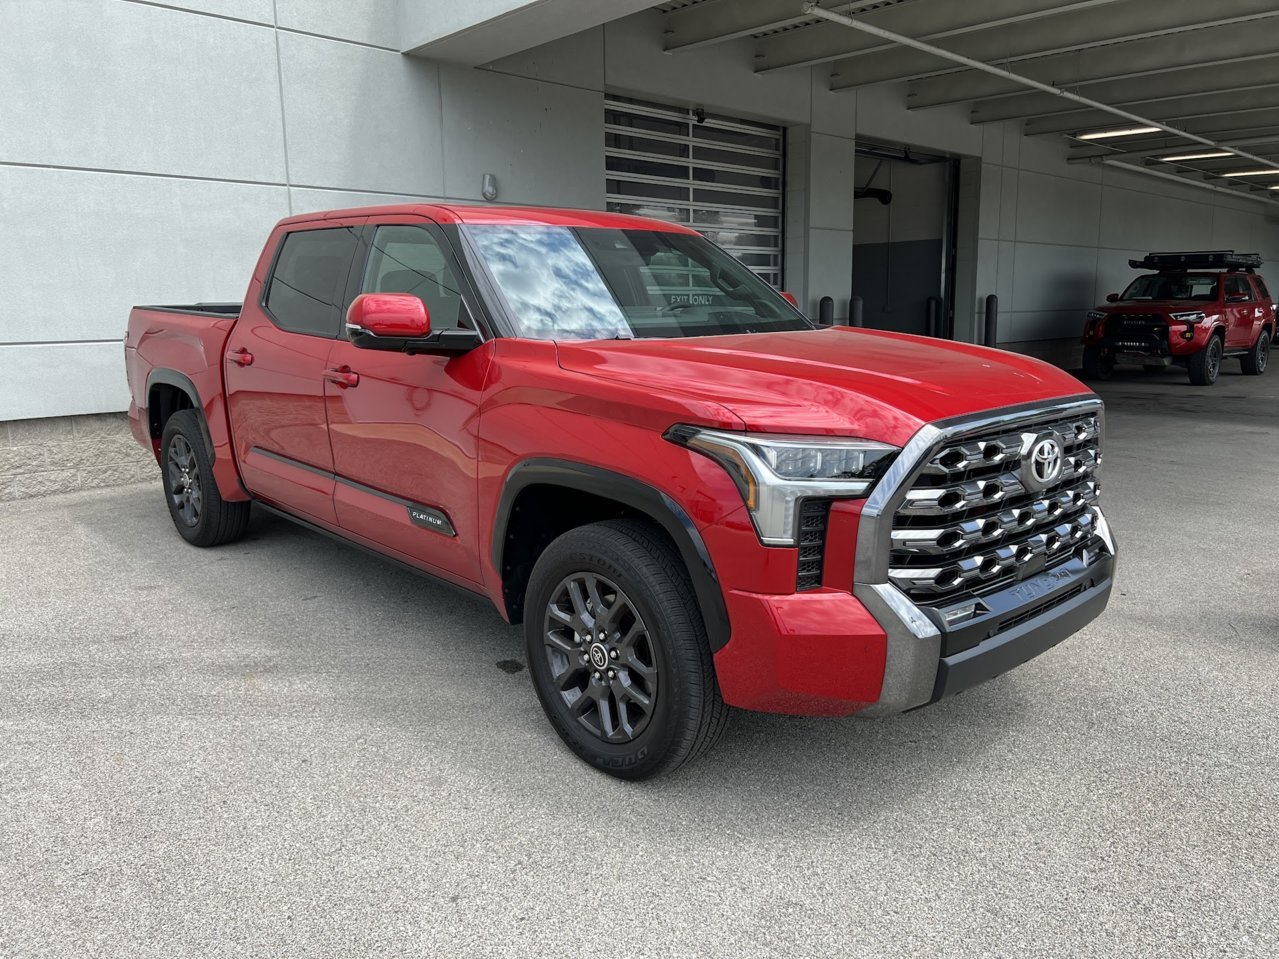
(200, 514)
(1097, 366)
(618, 652)
(1257, 359)
(1205, 366)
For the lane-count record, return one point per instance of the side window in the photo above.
(1236, 285)
(409, 259)
(1261, 287)
(305, 292)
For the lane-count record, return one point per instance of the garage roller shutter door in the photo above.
(723, 177)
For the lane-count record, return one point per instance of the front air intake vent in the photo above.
(813, 515)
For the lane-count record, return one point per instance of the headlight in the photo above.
(1196, 316)
(1096, 315)
(773, 473)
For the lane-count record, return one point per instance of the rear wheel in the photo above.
(1097, 366)
(1257, 359)
(1205, 366)
(200, 514)
(618, 653)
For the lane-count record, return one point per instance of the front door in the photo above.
(403, 429)
(275, 362)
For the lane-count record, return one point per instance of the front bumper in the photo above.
(875, 651)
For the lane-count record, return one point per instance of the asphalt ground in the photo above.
(286, 747)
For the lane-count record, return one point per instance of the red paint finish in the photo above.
(816, 654)
(354, 439)
(389, 314)
(1239, 323)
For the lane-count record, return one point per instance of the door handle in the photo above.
(343, 377)
(241, 356)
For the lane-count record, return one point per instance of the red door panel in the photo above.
(404, 450)
(403, 429)
(275, 371)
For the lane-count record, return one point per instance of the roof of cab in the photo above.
(506, 215)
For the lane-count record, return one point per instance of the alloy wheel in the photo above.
(601, 657)
(1214, 358)
(184, 481)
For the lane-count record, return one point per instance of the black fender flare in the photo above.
(637, 495)
(162, 376)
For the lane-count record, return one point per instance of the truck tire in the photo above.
(200, 514)
(631, 691)
(1205, 366)
(1257, 359)
(1096, 366)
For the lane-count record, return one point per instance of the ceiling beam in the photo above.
(1210, 46)
(718, 20)
(1218, 186)
(1262, 145)
(1156, 88)
(1179, 111)
(828, 41)
(1003, 72)
(1066, 32)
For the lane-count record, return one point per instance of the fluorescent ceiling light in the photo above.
(1266, 172)
(1126, 132)
(1196, 156)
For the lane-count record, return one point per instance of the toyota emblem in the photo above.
(1043, 466)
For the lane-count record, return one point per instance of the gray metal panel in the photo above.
(1242, 107)
(1210, 46)
(1071, 30)
(1157, 88)
(932, 20)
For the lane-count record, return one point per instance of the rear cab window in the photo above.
(307, 290)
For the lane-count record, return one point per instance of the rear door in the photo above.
(1240, 306)
(275, 363)
(404, 428)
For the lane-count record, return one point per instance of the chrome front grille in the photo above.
(976, 520)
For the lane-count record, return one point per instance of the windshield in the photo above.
(1177, 286)
(589, 283)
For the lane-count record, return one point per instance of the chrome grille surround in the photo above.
(913, 639)
(973, 521)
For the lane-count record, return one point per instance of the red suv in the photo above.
(1196, 310)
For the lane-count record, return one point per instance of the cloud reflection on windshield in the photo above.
(551, 285)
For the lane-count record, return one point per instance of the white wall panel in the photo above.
(544, 142)
(1054, 209)
(1048, 277)
(258, 11)
(127, 86)
(375, 22)
(77, 268)
(63, 380)
(832, 176)
(359, 118)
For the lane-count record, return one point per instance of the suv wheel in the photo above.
(1257, 359)
(1205, 366)
(618, 651)
(1097, 366)
(200, 514)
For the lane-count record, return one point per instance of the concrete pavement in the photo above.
(286, 747)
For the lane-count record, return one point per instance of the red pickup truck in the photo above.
(690, 495)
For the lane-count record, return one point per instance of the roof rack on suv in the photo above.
(1199, 260)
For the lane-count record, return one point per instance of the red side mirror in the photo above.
(389, 315)
(790, 298)
(1236, 297)
(1112, 297)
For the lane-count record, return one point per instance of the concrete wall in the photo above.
(147, 149)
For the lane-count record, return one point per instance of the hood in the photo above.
(865, 383)
(1159, 306)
